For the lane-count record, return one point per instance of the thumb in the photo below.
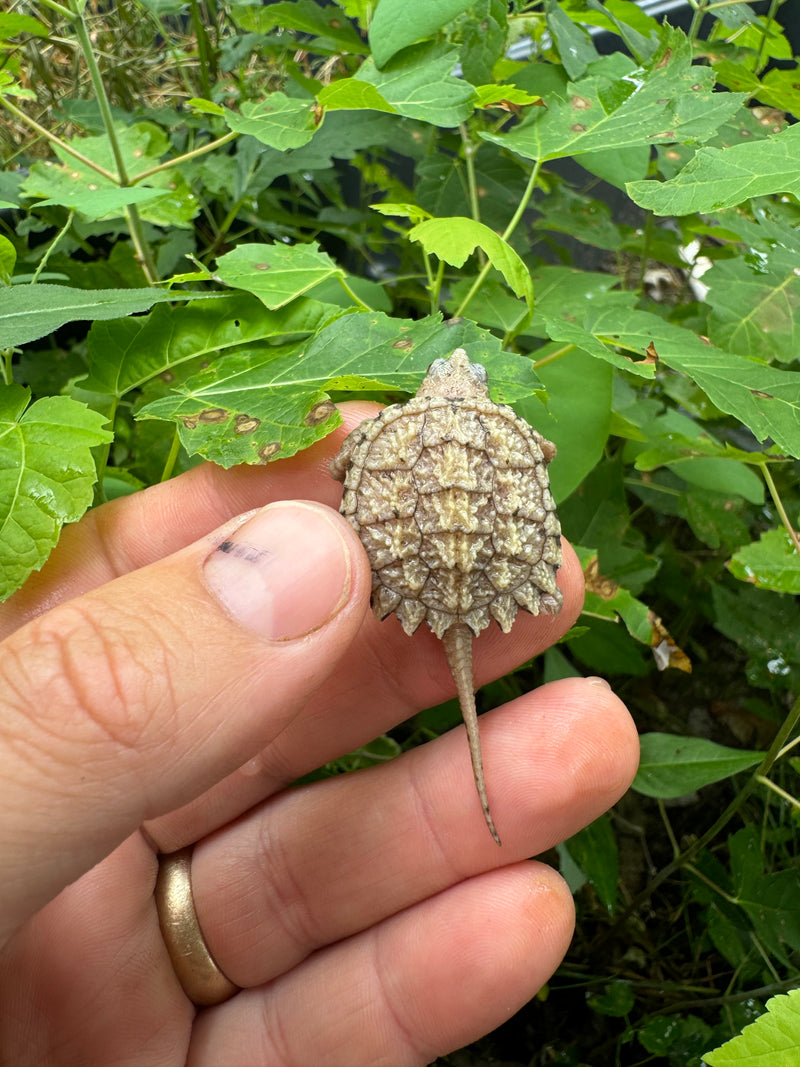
(130, 701)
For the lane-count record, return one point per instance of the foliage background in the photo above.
(206, 242)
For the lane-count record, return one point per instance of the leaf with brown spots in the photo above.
(665, 100)
(259, 402)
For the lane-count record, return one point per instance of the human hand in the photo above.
(156, 692)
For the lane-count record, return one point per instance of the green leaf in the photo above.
(639, 31)
(768, 897)
(420, 85)
(719, 178)
(773, 1040)
(722, 475)
(402, 211)
(280, 121)
(679, 1038)
(163, 7)
(29, 312)
(616, 1000)
(165, 197)
(756, 304)
(84, 191)
(771, 645)
(594, 849)
(8, 257)
(668, 100)
(396, 24)
(257, 404)
(306, 16)
(205, 107)
(128, 353)
(671, 766)
(578, 420)
(580, 216)
(454, 239)
(483, 32)
(778, 89)
(765, 399)
(11, 25)
(771, 562)
(351, 94)
(46, 476)
(276, 273)
(617, 165)
(489, 95)
(575, 48)
(715, 518)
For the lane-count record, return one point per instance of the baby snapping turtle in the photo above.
(450, 496)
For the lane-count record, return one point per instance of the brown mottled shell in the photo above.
(450, 497)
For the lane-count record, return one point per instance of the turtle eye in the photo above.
(437, 365)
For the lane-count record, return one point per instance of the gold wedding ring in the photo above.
(202, 980)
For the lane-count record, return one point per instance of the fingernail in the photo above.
(601, 683)
(284, 573)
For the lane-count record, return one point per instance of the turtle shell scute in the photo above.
(450, 497)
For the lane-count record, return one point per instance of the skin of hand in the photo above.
(177, 664)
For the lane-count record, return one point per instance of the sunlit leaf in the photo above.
(28, 312)
(718, 178)
(420, 85)
(352, 94)
(772, 562)
(455, 239)
(258, 404)
(276, 273)
(164, 198)
(127, 353)
(668, 100)
(46, 476)
(279, 121)
(773, 1040)
(12, 24)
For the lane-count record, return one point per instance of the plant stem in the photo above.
(699, 11)
(51, 137)
(7, 355)
(788, 726)
(59, 9)
(53, 245)
(776, 499)
(353, 295)
(559, 352)
(781, 792)
(174, 451)
(143, 252)
(759, 60)
(202, 48)
(469, 159)
(646, 242)
(195, 152)
(521, 206)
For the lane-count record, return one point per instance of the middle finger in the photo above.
(323, 862)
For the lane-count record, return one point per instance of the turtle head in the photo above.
(455, 378)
